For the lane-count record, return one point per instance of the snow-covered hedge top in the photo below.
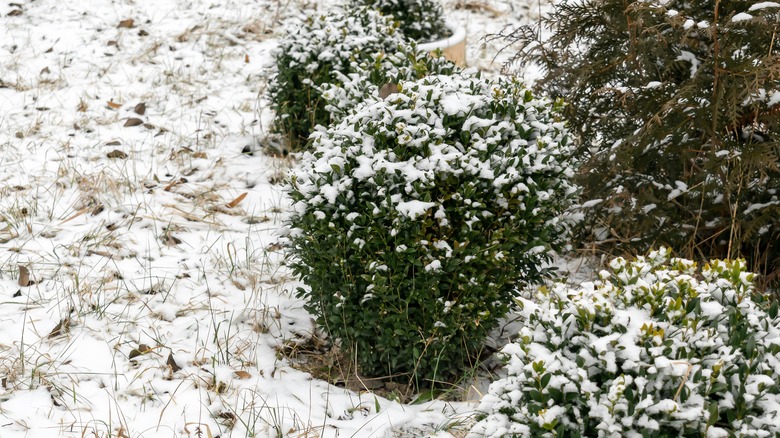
(419, 20)
(369, 79)
(337, 37)
(653, 349)
(492, 145)
(315, 51)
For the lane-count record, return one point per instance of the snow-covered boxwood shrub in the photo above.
(379, 76)
(311, 53)
(419, 20)
(418, 216)
(654, 349)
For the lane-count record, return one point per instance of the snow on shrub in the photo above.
(652, 349)
(418, 20)
(311, 53)
(416, 218)
(379, 76)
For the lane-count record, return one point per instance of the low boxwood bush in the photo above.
(656, 348)
(311, 53)
(418, 20)
(417, 217)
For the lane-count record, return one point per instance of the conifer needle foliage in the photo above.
(675, 104)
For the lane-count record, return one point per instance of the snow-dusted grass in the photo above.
(157, 304)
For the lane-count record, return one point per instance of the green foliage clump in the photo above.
(418, 216)
(311, 53)
(418, 20)
(653, 349)
(676, 104)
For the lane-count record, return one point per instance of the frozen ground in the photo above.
(141, 291)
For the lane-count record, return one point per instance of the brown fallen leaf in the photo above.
(142, 349)
(61, 328)
(172, 363)
(121, 433)
(246, 59)
(387, 90)
(15, 12)
(199, 155)
(45, 71)
(127, 24)
(236, 201)
(142, 33)
(243, 375)
(113, 105)
(172, 184)
(171, 240)
(24, 276)
(140, 109)
(132, 121)
(114, 143)
(116, 153)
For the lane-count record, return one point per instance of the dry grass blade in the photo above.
(75, 215)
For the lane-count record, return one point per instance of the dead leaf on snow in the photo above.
(62, 327)
(236, 201)
(127, 24)
(243, 375)
(15, 12)
(140, 109)
(171, 240)
(132, 121)
(172, 363)
(142, 349)
(24, 276)
(113, 105)
(116, 153)
(173, 183)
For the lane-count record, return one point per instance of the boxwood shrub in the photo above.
(418, 20)
(311, 53)
(656, 348)
(417, 217)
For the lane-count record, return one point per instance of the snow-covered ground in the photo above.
(141, 286)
